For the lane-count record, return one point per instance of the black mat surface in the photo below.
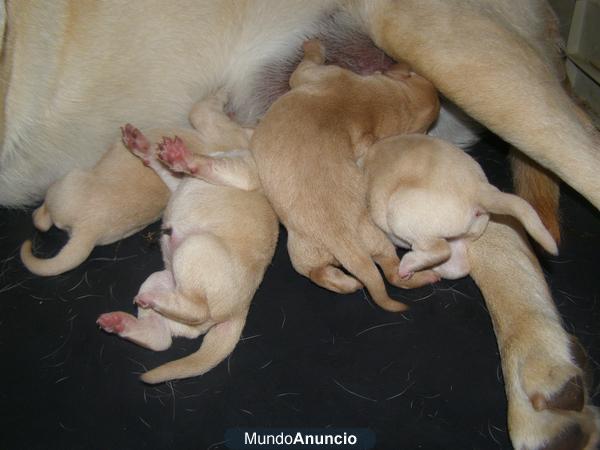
(427, 379)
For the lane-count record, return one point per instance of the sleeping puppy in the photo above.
(97, 207)
(217, 242)
(433, 198)
(119, 196)
(305, 148)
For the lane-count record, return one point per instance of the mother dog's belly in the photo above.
(111, 62)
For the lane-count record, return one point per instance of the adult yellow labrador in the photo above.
(74, 71)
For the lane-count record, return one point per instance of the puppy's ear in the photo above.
(235, 168)
(399, 71)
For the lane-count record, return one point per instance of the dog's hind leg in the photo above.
(424, 255)
(149, 330)
(334, 279)
(175, 306)
(318, 265)
(496, 75)
(547, 399)
(384, 255)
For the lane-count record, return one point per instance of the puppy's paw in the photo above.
(175, 155)
(547, 394)
(415, 280)
(408, 265)
(136, 142)
(114, 322)
(144, 301)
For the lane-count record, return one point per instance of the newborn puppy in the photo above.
(433, 198)
(217, 242)
(114, 199)
(305, 150)
(119, 196)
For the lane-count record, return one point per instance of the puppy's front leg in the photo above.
(547, 401)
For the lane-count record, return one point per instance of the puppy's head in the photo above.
(420, 90)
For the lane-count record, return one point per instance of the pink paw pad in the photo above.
(134, 140)
(113, 322)
(175, 154)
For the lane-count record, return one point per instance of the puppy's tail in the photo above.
(360, 264)
(75, 251)
(217, 345)
(497, 202)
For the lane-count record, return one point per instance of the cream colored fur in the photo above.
(220, 241)
(434, 199)
(116, 198)
(119, 195)
(100, 64)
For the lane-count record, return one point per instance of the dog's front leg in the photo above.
(488, 67)
(544, 385)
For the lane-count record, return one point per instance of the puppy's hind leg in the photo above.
(334, 279)
(384, 255)
(175, 306)
(317, 264)
(218, 343)
(159, 293)
(425, 254)
(149, 330)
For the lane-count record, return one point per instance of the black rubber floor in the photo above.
(427, 379)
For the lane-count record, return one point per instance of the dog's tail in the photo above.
(217, 345)
(360, 264)
(74, 252)
(497, 202)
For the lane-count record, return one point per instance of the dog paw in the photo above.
(409, 264)
(114, 322)
(415, 280)
(136, 142)
(547, 396)
(144, 301)
(175, 155)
